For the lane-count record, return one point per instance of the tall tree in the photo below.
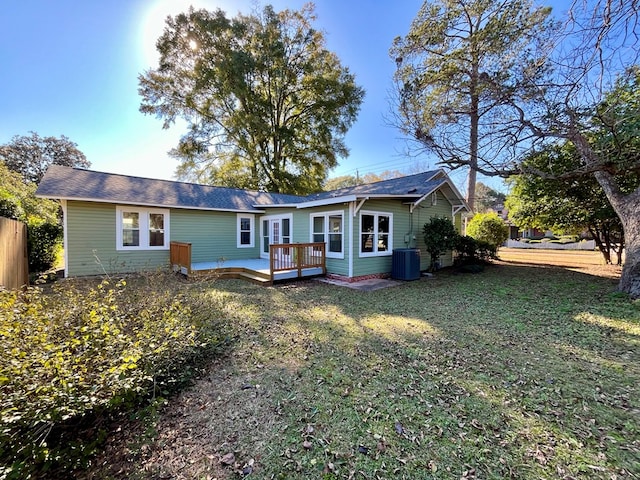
(444, 65)
(31, 155)
(267, 105)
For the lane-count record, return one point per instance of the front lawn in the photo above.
(519, 372)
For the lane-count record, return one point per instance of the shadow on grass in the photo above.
(502, 374)
(519, 372)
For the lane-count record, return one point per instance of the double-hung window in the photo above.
(142, 228)
(246, 230)
(376, 234)
(328, 228)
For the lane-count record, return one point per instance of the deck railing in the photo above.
(296, 256)
(180, 256)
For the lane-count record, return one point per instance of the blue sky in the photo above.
(71, 68)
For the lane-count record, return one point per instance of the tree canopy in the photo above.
(352, 180)
(487, 198)
(266, 104)
(568, 206)
(448, 63)
(31, 155)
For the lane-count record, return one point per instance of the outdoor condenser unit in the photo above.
(406, 264)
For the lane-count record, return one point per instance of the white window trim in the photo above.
(375, 253)
(326, 215)
(252, 229)
(144, 227)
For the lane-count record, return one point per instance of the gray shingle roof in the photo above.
(78, 184)
(74, 183)
(415, 185)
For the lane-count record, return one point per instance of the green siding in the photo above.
(213, 235)
(91, 243)
(302, 234)
(401, 221)
(406, 226)
(91, 235)
(421, 215)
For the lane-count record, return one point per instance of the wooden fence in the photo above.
(14, 265)
(180, 256)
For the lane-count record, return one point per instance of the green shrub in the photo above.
(79, 354)
(488, 227)
(43, 244)
(440, 235)
(471, 251)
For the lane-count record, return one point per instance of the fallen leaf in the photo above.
(228, 459)
(307, 444)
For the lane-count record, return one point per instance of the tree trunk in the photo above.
(628, 209)
(603, 250)
(630, 279)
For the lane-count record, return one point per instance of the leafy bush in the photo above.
(471, 251)
(488, 227)
(78, 354)
(43, 245)
(440, 235)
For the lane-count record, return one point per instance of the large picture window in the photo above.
(142, 228)
(327, 228)
(376, 233)
(246, 230)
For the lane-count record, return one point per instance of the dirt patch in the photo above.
(201, 433)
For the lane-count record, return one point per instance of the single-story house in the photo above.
(119, 223)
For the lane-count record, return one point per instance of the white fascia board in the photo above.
(326, 201)
(152, 205)
(457, 193)
(279, 205)
(459, 198)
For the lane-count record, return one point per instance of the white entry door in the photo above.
(274, 230)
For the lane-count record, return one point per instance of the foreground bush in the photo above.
(470, 251)
(74, 356)
(440, 235)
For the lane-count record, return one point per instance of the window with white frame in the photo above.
(142, 228)
(246, 230)
(327, 228)
(376, 233)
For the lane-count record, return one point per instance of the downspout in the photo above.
(65, 243)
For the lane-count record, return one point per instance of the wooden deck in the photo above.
(286, 262)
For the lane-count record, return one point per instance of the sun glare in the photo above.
(153, 21)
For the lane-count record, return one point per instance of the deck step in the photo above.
(252, 276)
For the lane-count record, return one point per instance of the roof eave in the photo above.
(152, 205)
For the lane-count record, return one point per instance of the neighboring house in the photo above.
(122, 224)
(503, 213)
